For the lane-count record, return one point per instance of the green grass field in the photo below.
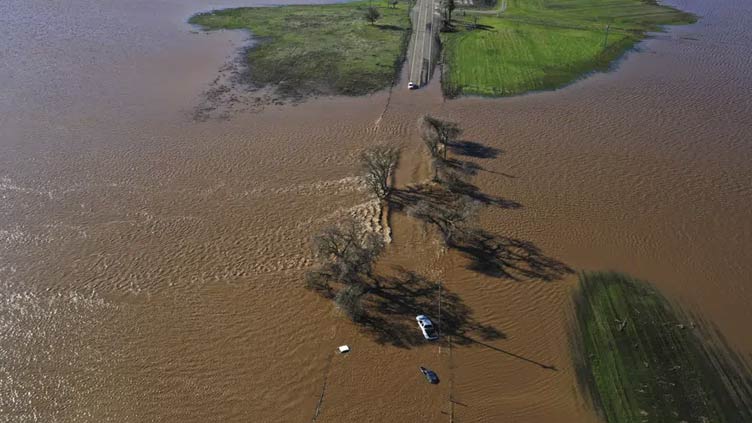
(643, 361)
(319, 49)
(539, 44)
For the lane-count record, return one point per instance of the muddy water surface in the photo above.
(151, 266)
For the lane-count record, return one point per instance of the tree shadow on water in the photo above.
(393, 302)
(450, 202)
(506, 257)
(460, 186)
(404, 199)
(474, 149)
(463, 167)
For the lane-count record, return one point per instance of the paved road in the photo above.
(420, 55)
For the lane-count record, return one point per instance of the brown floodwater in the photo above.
(151, 265)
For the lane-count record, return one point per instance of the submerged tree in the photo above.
(349, 300)
(450, 216)
(372, 14)
(441, 132)
(347, 251)
(430, 138)
(378, 163)
(437, 134)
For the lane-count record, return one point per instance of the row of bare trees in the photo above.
(445, 203)
(345, 252)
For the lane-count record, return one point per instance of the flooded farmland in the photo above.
(151, 265)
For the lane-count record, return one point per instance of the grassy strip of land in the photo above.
(642, 361)
(319, 49)
(537, 45)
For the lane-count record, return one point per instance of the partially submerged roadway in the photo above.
(422, 49)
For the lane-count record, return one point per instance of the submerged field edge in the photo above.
(310, 50)
(464, 76)
(640, 358)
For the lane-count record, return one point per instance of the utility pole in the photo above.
(605, 39)
(439, 309)
(451, 382)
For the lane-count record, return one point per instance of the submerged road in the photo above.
(420, 54)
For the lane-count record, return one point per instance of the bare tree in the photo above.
(449, 216)
(349, 300)
(378, 163)
(318, 280)
(333, 242)
(443, 131)
(347, 251)
(448, 6)
(430, 137)
(372, 14)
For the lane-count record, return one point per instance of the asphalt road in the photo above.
(420, 55)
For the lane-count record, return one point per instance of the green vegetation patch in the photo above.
(319, 49)
(544, 44)
(642, 361)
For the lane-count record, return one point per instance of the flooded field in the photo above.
(151, 265)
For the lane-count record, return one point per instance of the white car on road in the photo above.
(426, 326)
(412, 86)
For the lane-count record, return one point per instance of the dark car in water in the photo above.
(430, 375)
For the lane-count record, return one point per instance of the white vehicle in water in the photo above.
(412, 86)
(426, 326)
